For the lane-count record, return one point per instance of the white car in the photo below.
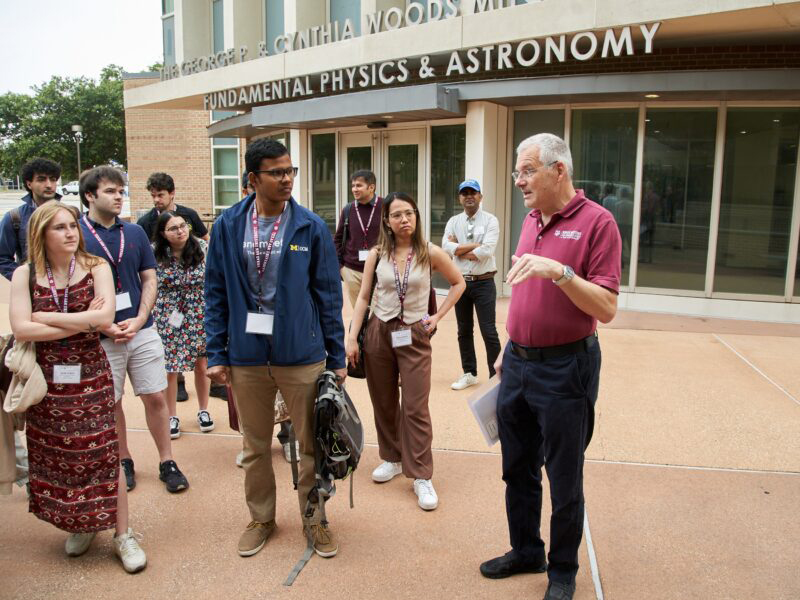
(70, 188)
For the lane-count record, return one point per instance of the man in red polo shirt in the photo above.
(565, 277)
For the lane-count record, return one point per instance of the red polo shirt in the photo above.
(582, 235)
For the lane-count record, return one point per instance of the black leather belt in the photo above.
(480, 277)
(540, 354)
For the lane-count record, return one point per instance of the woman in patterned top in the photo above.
(181, 258)
(60, 300)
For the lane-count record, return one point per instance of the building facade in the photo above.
(683, 119)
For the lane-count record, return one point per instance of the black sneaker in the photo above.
(219, 390)
(130, 474)
(183, 396)
(205, 421)
(171, 475)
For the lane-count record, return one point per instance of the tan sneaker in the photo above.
(254, 537)
(323, 538)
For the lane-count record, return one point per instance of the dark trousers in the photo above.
(483, 296)
(545, 415)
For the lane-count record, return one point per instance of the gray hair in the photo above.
(551, 149)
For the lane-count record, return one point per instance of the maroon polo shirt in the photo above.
(348, 255)
(582, 235)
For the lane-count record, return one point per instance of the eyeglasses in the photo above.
(408, 214)
(177, 228)
(528, 173)
(279, 174)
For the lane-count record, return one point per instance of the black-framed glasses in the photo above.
(290, 172)
(528, 173)
(176, 228)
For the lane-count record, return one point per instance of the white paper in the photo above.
(176, 319)
(483, 404)
(259, 323)
(66, 373)
(401, 337)
(123, 301)
(362, 255)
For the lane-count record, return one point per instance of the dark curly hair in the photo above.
(160, 182)
(192, 253)
(42, 166)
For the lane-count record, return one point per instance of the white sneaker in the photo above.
(239, 459)
(386, 471)
(287, 451)
(204, 421)
(127, 548)
(426, 495)
(78, 543)
(463, 382)
(174, 428)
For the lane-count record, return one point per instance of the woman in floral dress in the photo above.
(60, 300)
(181, 258)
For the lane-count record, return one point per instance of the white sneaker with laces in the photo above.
(174, 428)
(426, 495)
(127, 548)
(386, 471)
(78, 543)
(287, 451)
(465, 381)
(204, 421)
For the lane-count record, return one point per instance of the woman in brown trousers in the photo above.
(397, 342)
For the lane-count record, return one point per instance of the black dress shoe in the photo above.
(183, 396)
(559, 591)
(507, 565)
(219, 390)
(130, 473)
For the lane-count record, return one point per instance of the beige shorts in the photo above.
(142, 359)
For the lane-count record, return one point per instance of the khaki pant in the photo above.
(404, 428)
(255, 389)
(352, 280)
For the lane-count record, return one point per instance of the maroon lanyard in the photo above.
(260, 268)
(364, 230)
(401, 290)
(107, 251)
(53, 290)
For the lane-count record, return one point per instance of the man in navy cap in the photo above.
(470, 238)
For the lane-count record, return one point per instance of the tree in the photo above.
(41, 124)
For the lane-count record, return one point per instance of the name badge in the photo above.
(123, 301)
(259, 323)
(479, 230)
(176, 319)
(66, 373)
(401, 337)
(362, 255)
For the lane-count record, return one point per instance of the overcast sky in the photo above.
(42, 38)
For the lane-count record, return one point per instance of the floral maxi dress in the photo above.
(182, 290)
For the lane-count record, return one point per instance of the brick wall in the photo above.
(175, 142)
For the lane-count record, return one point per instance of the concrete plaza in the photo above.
(692, 488)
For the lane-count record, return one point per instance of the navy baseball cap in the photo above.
(470, 183)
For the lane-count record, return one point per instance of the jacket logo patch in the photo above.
(296, 248)
(567, 234)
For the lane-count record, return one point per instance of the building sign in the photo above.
(581, 46)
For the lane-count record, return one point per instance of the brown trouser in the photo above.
(404, 429)
(255, 389)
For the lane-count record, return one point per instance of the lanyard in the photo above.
(107, 251)
(51, 280)
(401, 290)
(260, 268)
(364, 230)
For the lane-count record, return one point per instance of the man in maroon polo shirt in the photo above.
(359, 225)
(565, 277)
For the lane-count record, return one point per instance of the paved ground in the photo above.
(692, 489)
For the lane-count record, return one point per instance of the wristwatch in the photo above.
(569, 273)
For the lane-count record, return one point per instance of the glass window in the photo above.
(526, 124)
(226, 161)
(167, 7)
(218, 115)
(678, 178)
(346, 9)
(448, 157)
(358, 158)
(603, 149)
(323, 180)
(403, 169)
(217, 24)
(226, 192)
(273, 9)
(758, 180)
(168, 30)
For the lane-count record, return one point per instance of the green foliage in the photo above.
(41, 124)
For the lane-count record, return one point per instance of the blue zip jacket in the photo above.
(308, 324)
(14, 247)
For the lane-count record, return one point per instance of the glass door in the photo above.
(403, 167)
(357, 152)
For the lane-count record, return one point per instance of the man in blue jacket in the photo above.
(40, 177)
(273, 323)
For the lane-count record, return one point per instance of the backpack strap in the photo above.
(346, 215)
(16, 223)
(31, 278)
